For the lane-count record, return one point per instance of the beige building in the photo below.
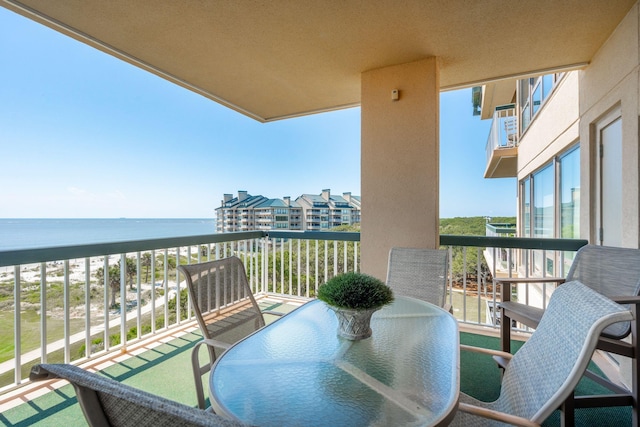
(571, 140)
(325, 211)
(308, 212)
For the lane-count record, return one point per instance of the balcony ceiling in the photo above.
(277, 59)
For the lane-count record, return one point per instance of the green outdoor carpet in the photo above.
(166, 371)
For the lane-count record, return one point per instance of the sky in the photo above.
(85, 135)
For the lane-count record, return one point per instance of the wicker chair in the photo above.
(213, 285)
(419, 273)
(613, 272)
(106, 402)
(545, 371)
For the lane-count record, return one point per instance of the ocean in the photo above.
(38, 233)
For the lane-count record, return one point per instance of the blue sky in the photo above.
(85, 135)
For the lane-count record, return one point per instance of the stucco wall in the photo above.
(399, 161)
(612, 82)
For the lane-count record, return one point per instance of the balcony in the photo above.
(152, 337)
(502, 144)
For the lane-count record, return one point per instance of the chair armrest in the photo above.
(487, 351)
(529, 280)
(505, 291)
(215, 343)
(626, 300)
(448, 307)
(274, 313)
(496, 415)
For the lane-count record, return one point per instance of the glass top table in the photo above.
(298, 372)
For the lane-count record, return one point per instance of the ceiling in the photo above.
(276, 59)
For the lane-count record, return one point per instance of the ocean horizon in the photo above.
(29, 233)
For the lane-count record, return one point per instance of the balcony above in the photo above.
(503, 163)
(502, 144)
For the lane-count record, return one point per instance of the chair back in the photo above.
(610, 271)
(419, 273)
(545, 371)
(106, 402)
(213, 285)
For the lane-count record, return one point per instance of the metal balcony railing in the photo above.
(504, 130)
(76, 303)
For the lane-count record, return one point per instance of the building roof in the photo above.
(246, 202)
(277, 203)
(334, 201)
(278, 59)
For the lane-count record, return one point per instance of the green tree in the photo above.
(131, 270)
(113, 281)
(146, 262)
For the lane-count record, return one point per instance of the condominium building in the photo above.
(237, 213)
(308, 212)
(324, 211)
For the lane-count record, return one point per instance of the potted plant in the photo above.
(354, 297)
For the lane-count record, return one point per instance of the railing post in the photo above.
(105, 334)
(87, 305)
(138, 295)
(67, 320)
(17, 328)
(123, 301)
(153, 291)
(43, 311)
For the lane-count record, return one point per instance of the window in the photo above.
(569, 201)
(570, 194)
(543, 206)
(545, 214)
(526, 208)
(532, 93)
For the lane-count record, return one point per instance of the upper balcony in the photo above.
(502, 144)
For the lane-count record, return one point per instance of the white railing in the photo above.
(504, 130)
(65, 294)
(474, 262)
(77, 302)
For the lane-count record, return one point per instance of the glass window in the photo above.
(545, 214)
(570, 195)
(569, 202)
(543, 217)
(537, 97)
(547, 84)
(526, 208)
(526, 117)
(531, 96)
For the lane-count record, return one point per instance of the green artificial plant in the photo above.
(355, 291)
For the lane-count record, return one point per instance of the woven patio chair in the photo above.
(613, 272)
(419, 273)
(106, 402)
(214, 285)
(545, 371)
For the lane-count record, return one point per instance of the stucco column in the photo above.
(400, 161)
